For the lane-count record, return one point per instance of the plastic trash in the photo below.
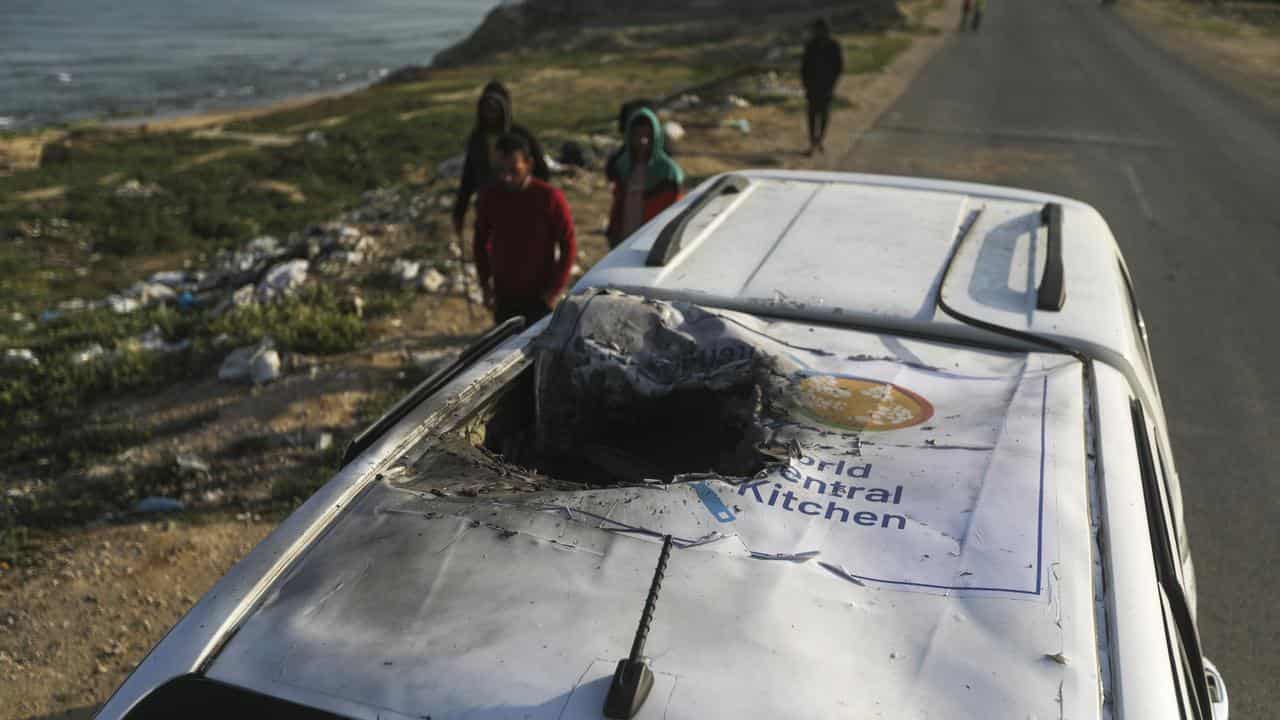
(157, 504)
(282, 280)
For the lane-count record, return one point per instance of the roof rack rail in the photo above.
(431, 385)
(1053, 292)
(671, 236)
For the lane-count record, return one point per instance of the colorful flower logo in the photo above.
(860, 404)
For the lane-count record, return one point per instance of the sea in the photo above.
(70, 60)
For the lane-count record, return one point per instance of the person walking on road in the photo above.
(965, 9)
(646, 180)
(493, 119)
(978, 7)
(823, 62)
(524, 244)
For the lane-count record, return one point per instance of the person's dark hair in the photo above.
(820, 27)
(511, 143)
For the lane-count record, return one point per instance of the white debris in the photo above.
(20, 357)
(451, 169)
(242, 296)
(347, 257)
(74, 305)
(265, 367)
(432, 280)
(137, 190)
(266, 246)
(685, 101)
(243, 363)
(406, 271)
(88, 355)
(149, 293)
(324, 441)
(122, 305)
(741, 124)
(315, 137)
(153, 341)
(282, 280)
(172, 278)
(188, 462)
(737, 101)
(554, 167)
(673, 130)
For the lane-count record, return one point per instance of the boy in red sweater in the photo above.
(524, 244)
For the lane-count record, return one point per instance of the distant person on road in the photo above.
(978, 7)
(821, 68)
(965, 8)
(646, 180)
(524, 244)
(493, 119)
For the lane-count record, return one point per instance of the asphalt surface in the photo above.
(1067, 97)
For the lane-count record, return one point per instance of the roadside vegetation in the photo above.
(87, 440)
(1237, 41)
(107, 206)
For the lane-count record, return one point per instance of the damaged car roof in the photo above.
(916, 541)
(873, 251)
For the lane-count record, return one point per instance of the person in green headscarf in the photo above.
(646, 179)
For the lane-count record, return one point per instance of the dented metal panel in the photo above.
(956, 579)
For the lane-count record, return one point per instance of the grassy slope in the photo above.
(214, 198)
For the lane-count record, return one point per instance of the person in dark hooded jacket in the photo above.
(823, 62)
(493, 120)
(646, 180)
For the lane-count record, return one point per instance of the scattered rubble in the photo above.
(265, 367)
(432, 281)
(88, 355)
(137, 190)
(406, 271)
(122, 305)
(673, 130)
(282, 280)
(20, 357)
(735, 101)
(324, 441)
(254, 364)
(153, 340)
(171, 278)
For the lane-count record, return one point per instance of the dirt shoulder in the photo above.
(1236, 42)
(86, 603)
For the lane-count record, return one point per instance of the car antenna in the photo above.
(633, 679)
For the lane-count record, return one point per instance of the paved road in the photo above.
(1064, 96)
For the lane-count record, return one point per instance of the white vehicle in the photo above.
(806, 446)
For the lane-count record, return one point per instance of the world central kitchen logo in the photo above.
(859, 404)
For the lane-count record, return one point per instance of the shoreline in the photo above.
(179, 120)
